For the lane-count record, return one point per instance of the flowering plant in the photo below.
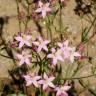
(39, 60)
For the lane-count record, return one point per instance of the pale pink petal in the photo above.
(40, 4)
(36, 43)
(66, 54)
(60, 58)
(66, 88)
(60, 44)
(43, 13)
(73, 49)
(29, 83)
(46, 42)
(64, 94)
(21, 44)
(29, 37)
(45, 48)
(53, 50)
(22, 61)
(35, 83)
(54, 61)
(50, 55)
(27, 43)
(72, 58)
(51, 85)
(41, 81)
(18, 38)
(27, 77)
(38, 10)
(27, 61)
(29, 56)
(40, 38)
(62, 1)
(47, 4)
(76, 54)
(45, 76)
(48, 9)
(45, 86)
(66, 43)
(57, 88)
(37, 77)
(58, 93)
(19, 56)
(51, 78)
(39, 48)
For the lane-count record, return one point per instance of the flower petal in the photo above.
(38, 10)
(45, 48)
(44, 13)
(54, 61)
(66, 88)
(35, 83)
(45, 76)
(21, 44)
(49, 56)
(39, 48)
(51, 85)
(18, 38)
(45, 86)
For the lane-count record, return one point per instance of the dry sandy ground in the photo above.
(8, 8)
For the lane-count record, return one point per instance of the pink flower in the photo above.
(73, 54)
(47, 82)
(43, 9)
(42, 44)
(24, 57)
(68, 52)
(55, 56)
(65, 49)
(61, 91)
(32, 79)
(63, 45)
(23, 40)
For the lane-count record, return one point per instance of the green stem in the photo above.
(90, 28)
(79, 77)
(49, 32)
(6, 56)
(18, 15)
(26, 24)
(60, 23)
(67, 71)
(86, 86)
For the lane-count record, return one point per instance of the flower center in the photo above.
(62, 89)
(24, 37)
(46, 81)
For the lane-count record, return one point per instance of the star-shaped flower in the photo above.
(24, 39)
(65, 49)
(32, 79)
(73, 54)
(43, 8)
(63, 45)
(55, 56)
(62, 90)
(24, 58)
(41, 44)
(47, 82)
